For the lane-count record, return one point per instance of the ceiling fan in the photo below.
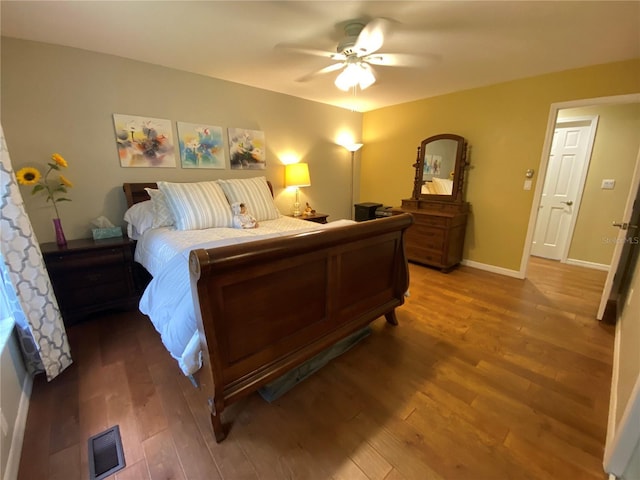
(356, 53)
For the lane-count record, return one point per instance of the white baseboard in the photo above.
(492, 268)
(518, 274)
(583, 263)
(15, 451)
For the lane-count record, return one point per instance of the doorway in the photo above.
(567, 168)
(582, 237)
(622, 433)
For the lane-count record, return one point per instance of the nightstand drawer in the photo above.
(113, 256)
(100, 293)
(71, 279)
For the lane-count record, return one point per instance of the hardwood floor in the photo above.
(486, 377)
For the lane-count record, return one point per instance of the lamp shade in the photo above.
(353, 147)
(297, 175)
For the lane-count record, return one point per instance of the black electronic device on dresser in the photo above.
(365, 211)
(90, 276)
(437, 203)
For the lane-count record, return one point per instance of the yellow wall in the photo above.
(505, 125)
(614, 155)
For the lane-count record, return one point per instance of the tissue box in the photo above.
(101, 233)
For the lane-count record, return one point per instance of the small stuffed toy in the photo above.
(308, 210)
(242, 218)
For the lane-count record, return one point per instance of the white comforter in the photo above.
(167, 299)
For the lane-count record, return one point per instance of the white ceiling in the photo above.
(465, 44)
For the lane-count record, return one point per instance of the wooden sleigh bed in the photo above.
(265, 307)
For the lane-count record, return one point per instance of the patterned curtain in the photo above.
(25, 281)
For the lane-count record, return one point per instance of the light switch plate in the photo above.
(608, 184)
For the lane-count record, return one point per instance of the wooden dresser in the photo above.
(437, 204)
(437, 236)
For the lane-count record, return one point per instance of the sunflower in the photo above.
(65, 181)
(61, 162)
(28, 176)
(52, 190)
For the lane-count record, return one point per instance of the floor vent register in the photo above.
(105, 454)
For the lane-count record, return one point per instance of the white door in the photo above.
(624, 235)
(566, 172)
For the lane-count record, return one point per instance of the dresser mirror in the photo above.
(439, 168)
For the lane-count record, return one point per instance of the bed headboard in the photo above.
(136, 193)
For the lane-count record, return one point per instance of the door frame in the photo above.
(544, 160)
(592, 121)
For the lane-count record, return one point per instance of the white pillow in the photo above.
(443, 186)
(195, 206)
(161, 212)
(139, 218)
(254, 193)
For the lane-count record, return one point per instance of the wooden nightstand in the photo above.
(90, 276)
(316, 217)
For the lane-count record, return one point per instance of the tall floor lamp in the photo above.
(353, 148)
(297, 175)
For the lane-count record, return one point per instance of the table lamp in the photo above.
(297, 175)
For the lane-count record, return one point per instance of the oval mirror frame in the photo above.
(437, 153)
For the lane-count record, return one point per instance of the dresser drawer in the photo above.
(426, 236)
(431, 220)
(423, 255)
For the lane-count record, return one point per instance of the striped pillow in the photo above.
(254, 193)
(196, 206)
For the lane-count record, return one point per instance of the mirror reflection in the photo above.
(439, 164)
(439, 168)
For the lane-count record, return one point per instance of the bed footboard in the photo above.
(266, 307)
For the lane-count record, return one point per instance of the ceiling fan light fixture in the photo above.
(367, 78)
(355, 74)
(348, 78)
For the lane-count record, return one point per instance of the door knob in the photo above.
(623, 225)
(569, 203)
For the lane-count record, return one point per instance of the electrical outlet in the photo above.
(608, 184)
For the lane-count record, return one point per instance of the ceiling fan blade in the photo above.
(371, 37)
(401, 59)
(310, 51)
(330, 68)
